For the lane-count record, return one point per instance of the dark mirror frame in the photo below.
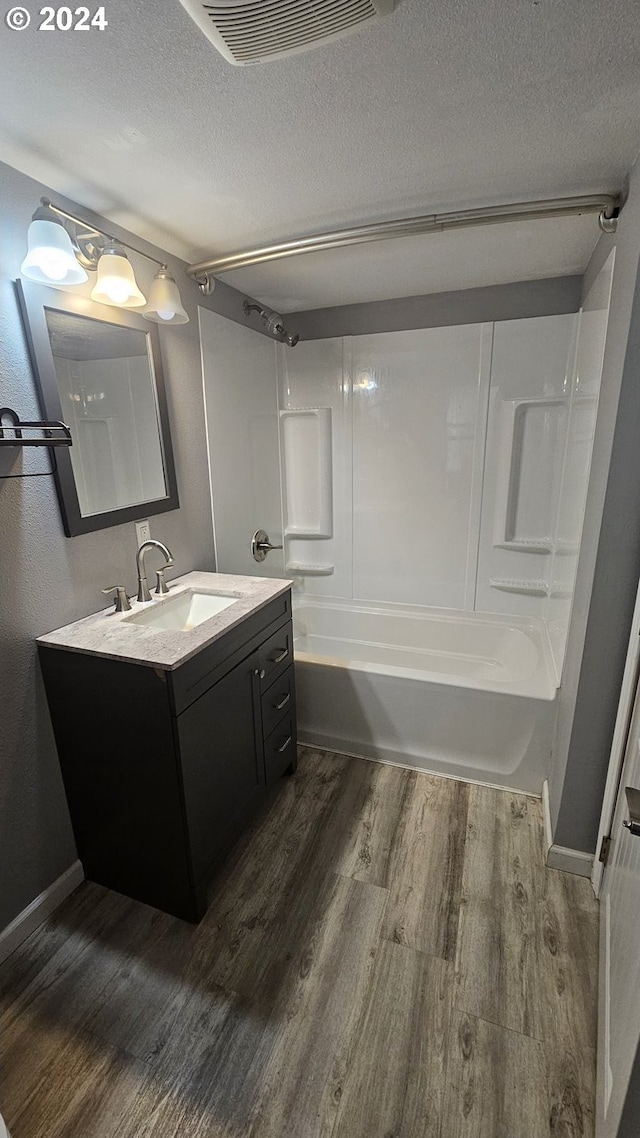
(34, 299)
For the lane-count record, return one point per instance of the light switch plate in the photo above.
(143, 531)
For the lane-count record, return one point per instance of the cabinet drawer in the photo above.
(279, 700)
(280, 748)
(275, 655)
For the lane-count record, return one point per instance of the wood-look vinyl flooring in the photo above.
(385, 956)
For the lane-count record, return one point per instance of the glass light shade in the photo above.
(165, 305)
(116, 283)
(50, 257)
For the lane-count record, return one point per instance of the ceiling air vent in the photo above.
(254, 31)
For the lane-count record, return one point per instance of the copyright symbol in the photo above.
(17, 19)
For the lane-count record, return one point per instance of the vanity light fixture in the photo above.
(62, 249)
(165, 305)
(51, 258)
(116, 283)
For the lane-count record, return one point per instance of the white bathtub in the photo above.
(464, 694)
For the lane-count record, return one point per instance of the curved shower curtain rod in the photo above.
(607, 206)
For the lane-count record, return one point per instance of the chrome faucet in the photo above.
(143, 587)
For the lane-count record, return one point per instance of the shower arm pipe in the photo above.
(607, 207)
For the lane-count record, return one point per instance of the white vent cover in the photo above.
(253, 31)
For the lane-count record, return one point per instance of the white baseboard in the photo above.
(571, 861)
(41, 907)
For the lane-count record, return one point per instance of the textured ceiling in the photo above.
(410, 266)
(443, 104)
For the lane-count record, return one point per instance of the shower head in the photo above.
(273, 323)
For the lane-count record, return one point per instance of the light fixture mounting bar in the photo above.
(607, 206)
(89, 230)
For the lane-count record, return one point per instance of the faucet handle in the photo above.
(161, 585)
(122, 600)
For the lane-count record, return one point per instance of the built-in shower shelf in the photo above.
(533, 588)
(307, 534)
(531, 437)
(526, 545)
(297, 569)
(307, 472)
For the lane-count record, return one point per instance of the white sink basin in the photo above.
(182, 613)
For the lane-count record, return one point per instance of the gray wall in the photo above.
(609, 564)
(515, 301)
(630, 1121)
(47, 580)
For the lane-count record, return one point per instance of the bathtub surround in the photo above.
(449, 450)
(49, 580)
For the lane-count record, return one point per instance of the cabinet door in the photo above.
(221, 763)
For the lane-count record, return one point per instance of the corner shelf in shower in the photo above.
(526, 545)
(53, 434)
(532, 588)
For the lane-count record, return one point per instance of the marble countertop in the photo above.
(108, 633)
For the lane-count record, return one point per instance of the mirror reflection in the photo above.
(107, 391)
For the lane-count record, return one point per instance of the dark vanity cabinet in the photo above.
(162, 769)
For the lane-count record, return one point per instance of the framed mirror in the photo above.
(99, 370)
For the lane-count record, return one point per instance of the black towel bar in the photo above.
(53, 434)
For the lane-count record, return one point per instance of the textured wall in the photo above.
(48, 580)
(607, 576)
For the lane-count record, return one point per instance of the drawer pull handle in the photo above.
(282, 655)
(260, 673)
(284, 745)
(283, 702)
